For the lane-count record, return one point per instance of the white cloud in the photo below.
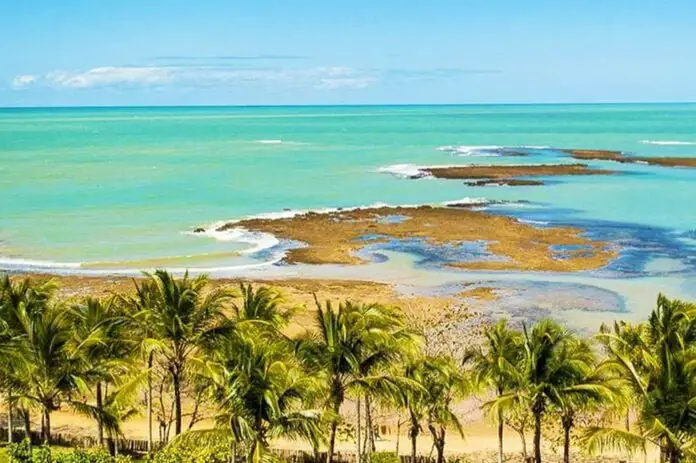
(326, 78)
(23, 81)
(111, 76)
(345, 82)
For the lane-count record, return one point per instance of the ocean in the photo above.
(106, 190)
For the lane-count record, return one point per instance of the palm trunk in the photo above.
(438, 442)
(9, 419)
(27, 422)
(523, 440)
(566, 444)
(673, 455)
(100, 406)
(332, 435)
(149, 403)
(537, 436)
(176, 381)
(369, 430)
(358, 433)
(413, 434)
(398, 433)
(414, 448)
(500, 437)
(46, 425)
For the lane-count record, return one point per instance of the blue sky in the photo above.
(175, 52)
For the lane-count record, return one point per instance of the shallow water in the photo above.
(120, 189)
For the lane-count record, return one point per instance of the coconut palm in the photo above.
(349, 345)
(264, 304)
(101, 344)
(662, 379)
(261, 392)
(585, 389)
(31, 297)
(444, 384)
(631, 341)
(552, 364)
(181, 315)
(51, 370)
(9, 362)
(411, 399)
(116, 407)
(495, 365)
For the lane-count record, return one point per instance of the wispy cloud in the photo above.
(23, 81)
(110, 76)
(438, 73)
(214, 58)
(223, 75)
(327, 78)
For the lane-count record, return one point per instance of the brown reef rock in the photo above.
(334, 238)
(618, 156)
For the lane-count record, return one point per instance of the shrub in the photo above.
(19, 453)
(22, 453)
(193, 454)
(384, 457)
(41, 455)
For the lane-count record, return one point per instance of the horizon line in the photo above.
(319, 105)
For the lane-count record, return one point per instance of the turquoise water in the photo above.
(119, 188)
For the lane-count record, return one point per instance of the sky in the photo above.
(287, 52)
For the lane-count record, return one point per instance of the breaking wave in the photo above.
(668, 142)
(490, 150)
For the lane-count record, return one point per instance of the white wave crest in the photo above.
(11, 263)
(468, 201)
(259, 240)
(404, 171)
(487, 150)
(270, 142)
(532, 222)
(472, 150)
(668, 142)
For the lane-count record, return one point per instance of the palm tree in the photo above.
(31, 297)
(102, 346)
(413, 399)
(551, 365)
(51, 368)
(9, 360)
(265, 304)
(351, 343)
(116, 406)
(631, 341)
(585, 388)
(495, 364)
(181, 315)
(444, 384)
(262, 392)
(662, 379)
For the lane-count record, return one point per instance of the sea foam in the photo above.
(404, 171)
(487, 150)
(668, 142)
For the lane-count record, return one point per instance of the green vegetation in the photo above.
(227, 352)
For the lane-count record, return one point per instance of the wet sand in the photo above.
(336, 237)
